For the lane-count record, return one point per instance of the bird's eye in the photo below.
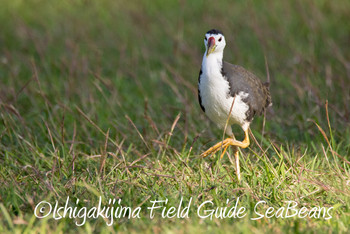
(220, 38)
(205, 38)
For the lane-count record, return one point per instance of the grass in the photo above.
(98, 99)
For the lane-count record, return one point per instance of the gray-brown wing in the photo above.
(242, 80)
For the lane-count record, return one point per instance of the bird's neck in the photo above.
(212, 64)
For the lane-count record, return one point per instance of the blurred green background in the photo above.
(133, 51)
(72, 70)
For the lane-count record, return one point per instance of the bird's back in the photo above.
(242, 80)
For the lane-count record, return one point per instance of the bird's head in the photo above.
(214, 41)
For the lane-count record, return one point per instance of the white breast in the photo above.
(216, 98)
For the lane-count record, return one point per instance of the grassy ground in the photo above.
(99, 99)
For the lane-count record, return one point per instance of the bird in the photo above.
(229, 94)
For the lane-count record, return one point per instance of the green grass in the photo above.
(98, 99)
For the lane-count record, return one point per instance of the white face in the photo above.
(214, 43)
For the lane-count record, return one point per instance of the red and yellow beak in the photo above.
(211, 45)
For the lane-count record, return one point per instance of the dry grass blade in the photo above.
(90, 121)
(51, 139)
(227, 120)
(95, 125)
(341, 157)
(104, 155)
(139, 159)
(323, 134)
(160, 175)
(174, 124)
(138, 132)
(149, 118)
(268, 81)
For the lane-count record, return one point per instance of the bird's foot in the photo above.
(224, 145)
(215, 148)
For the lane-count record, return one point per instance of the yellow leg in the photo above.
(227, 142)
(238, 169)
(215, 148)
(224, 151)
(242, 144)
